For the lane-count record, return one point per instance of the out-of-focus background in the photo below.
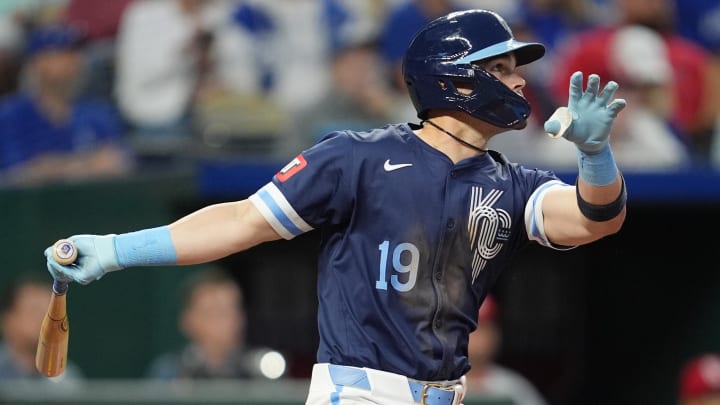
(118, 115)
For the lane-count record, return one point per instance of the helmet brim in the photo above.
(525, 52)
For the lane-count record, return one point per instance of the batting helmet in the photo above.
(440, 57)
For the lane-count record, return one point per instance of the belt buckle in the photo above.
(424, 393)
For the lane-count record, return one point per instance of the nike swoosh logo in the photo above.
(390, 167)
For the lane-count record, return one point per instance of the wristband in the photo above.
(149, 247)
(599, 168)
(602, 212)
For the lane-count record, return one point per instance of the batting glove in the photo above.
(96, 257)
(592, 115)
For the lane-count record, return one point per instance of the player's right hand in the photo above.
(96, 257)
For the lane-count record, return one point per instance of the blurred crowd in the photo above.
(212, 318)
(104, 88)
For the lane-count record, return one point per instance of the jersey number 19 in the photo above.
(410, 268)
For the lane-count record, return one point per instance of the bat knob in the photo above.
(564, 118)
(64, 252)
(59, 287)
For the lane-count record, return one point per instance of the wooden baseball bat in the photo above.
(51, 355)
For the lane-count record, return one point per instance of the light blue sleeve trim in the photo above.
(534, 221)
(149, 247)
(276, 209)
(278, 213)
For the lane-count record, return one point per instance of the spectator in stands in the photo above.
(694, 105)
(98, 21)
(643, 139)
(552, 21)
(302, 74)
(17, 18)
(23, 305)
(48, 133)
(699, 20)
(486, 376)
(190, 66)
(400, 26)
(361, 96)
(348, 20)
(700, 380)
(213, 319)
(549, 22)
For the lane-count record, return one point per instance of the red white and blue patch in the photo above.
(291, 168)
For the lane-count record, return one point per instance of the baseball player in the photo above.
(417, 220)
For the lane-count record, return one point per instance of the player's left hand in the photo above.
(592, 115)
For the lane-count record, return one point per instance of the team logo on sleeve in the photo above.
(488, 227)
(291, 168)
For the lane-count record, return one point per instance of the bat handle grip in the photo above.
(60, 287)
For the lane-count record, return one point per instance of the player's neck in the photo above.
(455, 139)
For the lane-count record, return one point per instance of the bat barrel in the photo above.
(51, 355)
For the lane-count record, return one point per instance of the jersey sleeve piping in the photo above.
(276, 209)
(534, 224)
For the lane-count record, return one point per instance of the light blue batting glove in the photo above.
(592, 116)
(96, 257)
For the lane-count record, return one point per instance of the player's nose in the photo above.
(517, 83)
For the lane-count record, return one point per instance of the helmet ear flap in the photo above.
(446, 87)
(465, 87)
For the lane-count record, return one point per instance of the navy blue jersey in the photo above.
(411, 243)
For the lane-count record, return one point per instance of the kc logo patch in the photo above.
(291, 168)
(488, 227)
